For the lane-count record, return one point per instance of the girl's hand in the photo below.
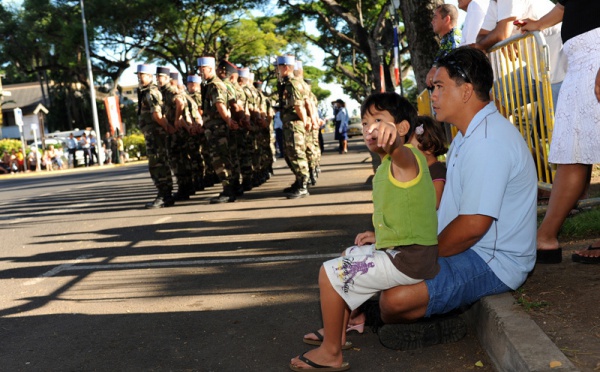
(364, 238)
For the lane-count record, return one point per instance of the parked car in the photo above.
(354, 128)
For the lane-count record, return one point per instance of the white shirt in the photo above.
(533, 9)
(476, 12)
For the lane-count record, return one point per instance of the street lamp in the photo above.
(90, 77)
(380, 52)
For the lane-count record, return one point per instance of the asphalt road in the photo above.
(91, 281)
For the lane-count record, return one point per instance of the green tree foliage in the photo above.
(351, 32)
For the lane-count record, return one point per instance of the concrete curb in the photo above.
(512, 339)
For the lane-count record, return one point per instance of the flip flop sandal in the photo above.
(586, 260)
(549, 256)
(348, 345)
(344, 367)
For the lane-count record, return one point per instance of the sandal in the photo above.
(576, 257)
(348, 345)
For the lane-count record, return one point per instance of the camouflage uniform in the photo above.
(252, 137)
(149, 102)
(235, 136)
(194, 144)
(180, 163)
(217, 132)
(294, 133)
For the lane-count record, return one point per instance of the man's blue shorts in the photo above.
(463, 279)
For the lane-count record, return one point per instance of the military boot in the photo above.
(161, 202)
(227, 196)
(199, 183)
(313, 176)
(300, 191)
(247, 184)
(293, 187)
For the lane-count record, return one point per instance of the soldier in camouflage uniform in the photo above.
(173, 105)
(295, 122)
(217, 125)
(228, 73)
(249, 177)
(312, 147)
(265, 131)
(155, 128)
(197, 140)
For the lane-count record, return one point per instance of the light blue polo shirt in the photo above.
(491, 172)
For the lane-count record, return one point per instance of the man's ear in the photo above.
(468, 92)
(403, 127)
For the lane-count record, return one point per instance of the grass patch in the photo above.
(524, 300)
(583, 225)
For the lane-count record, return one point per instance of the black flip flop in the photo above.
(586, 260)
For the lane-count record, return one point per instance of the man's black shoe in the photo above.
(222, 198)
(292, 188)
(422, 333)
(160, 202)
(181, 196)
(299, 192)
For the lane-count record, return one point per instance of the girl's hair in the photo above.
(430, 135)
(396, 105)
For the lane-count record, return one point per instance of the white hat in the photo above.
(206, 61)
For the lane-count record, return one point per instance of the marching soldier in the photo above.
(295, 123)
(155, 128)
(173, 107)
(312, 147)
(217, 125)
(197, 140)
(228, 73)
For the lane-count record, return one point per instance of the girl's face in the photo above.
(372, 119)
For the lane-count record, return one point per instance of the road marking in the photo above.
(56, 270)
(200, 262)
(72, 265)
(161, 220)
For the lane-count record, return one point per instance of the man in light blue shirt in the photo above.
(72, 148)
(487, 216)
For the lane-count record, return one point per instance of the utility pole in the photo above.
(91, 79)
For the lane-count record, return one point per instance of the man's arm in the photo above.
(487, 39)
(462, 233)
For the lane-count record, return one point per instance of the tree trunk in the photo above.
(422, 42)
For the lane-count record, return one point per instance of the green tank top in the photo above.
(404, 212)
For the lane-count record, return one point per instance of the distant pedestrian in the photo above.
(107, 146)
(85, 146)
(72, 149)
(93, 150)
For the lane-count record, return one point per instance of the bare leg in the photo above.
(335, 315)
(570, 183)
(404, 303)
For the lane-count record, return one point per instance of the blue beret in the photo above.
(194, 79)
(174, 75)
(244, 72)
(163, 71)
(286, 60)
(206, 61)
(145, 69)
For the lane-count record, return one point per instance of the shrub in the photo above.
(135, 145)
(8, 145)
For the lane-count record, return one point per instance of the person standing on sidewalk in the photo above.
(72, 148)
(576, 133)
